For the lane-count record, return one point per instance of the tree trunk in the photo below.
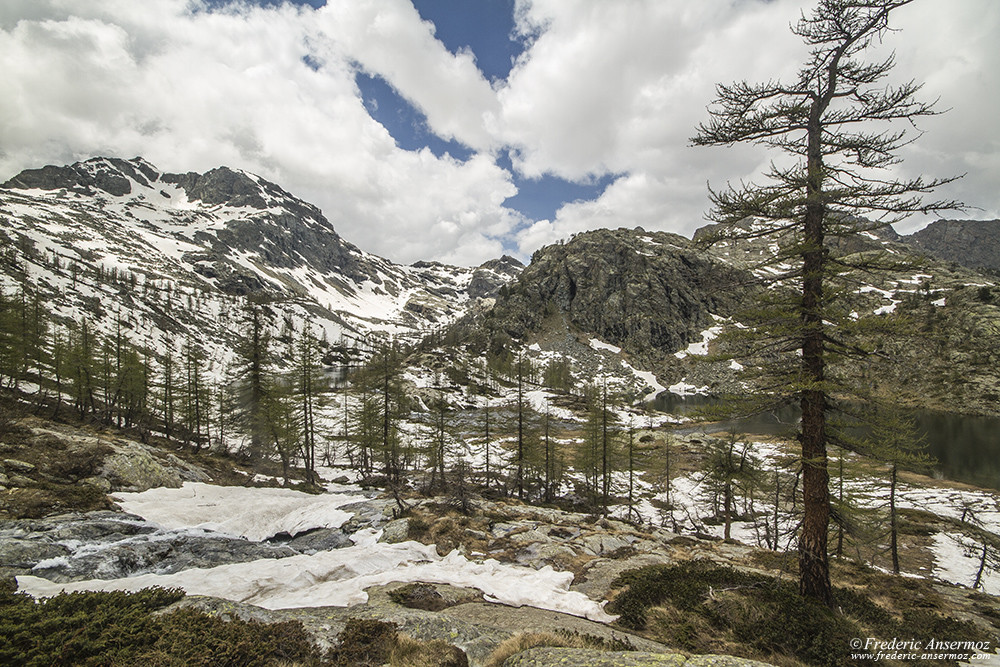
(893, 528)
(982, 567)
(727, 509)
(814, 566)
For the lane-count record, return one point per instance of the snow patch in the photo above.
(253, 513)
(682, 388)
(339, 578)
(600, 345)
(701, 348)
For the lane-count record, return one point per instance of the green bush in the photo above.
(118, 628)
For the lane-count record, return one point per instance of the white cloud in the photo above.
(605, 87)
(194, 90)
(620, 87)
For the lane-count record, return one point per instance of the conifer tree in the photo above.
(168, 388)
(487, 474)
(197, 395)
(252, 370)
(13, 343)
(729, 468)
(438, 444)
(830, 122)
(382, 408)
(82, 363)
(525, 432)
(893, 439)
(309, 385)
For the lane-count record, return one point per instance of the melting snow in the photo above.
(255, 514)
(599, 345)
(331, 578)
(701, 348)
(338, 578)
(956, 559)
(682, 388)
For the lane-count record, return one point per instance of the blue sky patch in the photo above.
(485, 27)
(540, 198)
(407, 124)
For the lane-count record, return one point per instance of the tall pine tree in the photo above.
(830, 123)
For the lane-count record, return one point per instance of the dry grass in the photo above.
(525, 640)
(409, 652)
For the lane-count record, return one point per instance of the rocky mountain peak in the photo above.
(111, 175)
(491, 275)
(649, 293)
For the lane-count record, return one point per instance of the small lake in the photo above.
(967, 448)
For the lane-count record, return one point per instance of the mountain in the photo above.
(649, 293)
(971, 243)
(176, 254)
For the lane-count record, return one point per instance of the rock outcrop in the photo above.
(971, 243)
(549, 656)
(649, 293)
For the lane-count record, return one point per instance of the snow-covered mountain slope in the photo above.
(176, 254)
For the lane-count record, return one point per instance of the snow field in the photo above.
(329, 578)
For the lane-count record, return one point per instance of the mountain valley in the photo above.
(440, 426)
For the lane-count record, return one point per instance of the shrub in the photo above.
(697, 604)
(118, 628)
(364, 642)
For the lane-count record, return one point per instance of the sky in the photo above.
(459, 130)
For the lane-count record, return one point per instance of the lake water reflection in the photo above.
(967, 448)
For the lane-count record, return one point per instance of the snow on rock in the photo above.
(339, 578)
(253, 513)
(649, 378)
(957, 559)
(701, 348)
(886, 310)
(600, 345)
(682, 388)
(541, 403)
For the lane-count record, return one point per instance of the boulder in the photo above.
(25, 554)
(396, 531)
(133, 468)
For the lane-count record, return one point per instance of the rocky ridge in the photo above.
(175, 255)
(971, 243)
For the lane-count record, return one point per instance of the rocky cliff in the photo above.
(971, 243)
(649, 293)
